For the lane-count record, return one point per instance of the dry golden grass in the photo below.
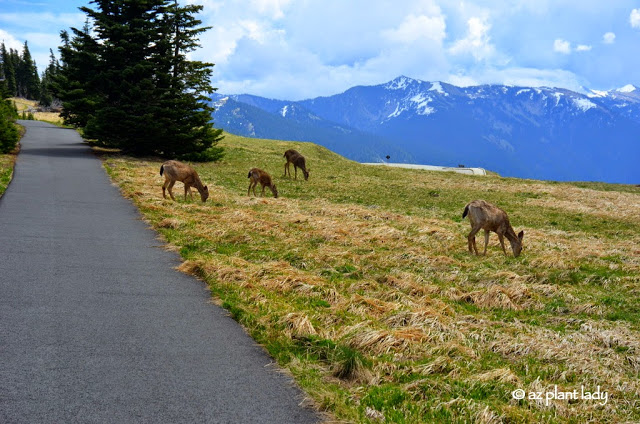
(361, 284)
(7, 162)
(31, 105)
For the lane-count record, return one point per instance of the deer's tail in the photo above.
(466, 211)
(249, 176)
(161, 170)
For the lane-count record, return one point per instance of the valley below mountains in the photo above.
(523, 132)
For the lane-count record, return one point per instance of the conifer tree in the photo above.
(8, 131)
(27, 79)
(8, 71)
(76, 82)
(185, 83)
(47, 81)
(146, 96)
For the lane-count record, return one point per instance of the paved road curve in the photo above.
(96, 326)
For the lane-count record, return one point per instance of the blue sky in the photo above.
(296, 49)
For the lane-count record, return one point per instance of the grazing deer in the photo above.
(488, 217)
(259, 176)
(176, 171)
(298, 161)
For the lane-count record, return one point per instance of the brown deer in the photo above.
(176, 171)
(259, 176)
(298, 161)
(488, 217)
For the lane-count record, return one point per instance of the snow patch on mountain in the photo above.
(597, 93)
(437, 87)
(422, 104)
(396, 112)
(284, 111)
(584, 104)
(558, 96)
(399, 83)
(629, 88)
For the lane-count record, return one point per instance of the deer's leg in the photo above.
(187, 189)
(262, 193)
(286, 168)
(471, 238)
(295, 169)
(486, 241)
(502, 243)
(164, 187)
(170, 189)
(249, 190)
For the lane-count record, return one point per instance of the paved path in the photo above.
(96, 326)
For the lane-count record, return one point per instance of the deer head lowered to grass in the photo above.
(294, 157)
(177, 171)
(483, 215)
(259, 176)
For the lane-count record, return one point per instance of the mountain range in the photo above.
(524, 132)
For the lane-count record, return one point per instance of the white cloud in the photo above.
(273, 8)
(414, 28)
(583, 48)
(10, 42)
(634, 18)
(561, 46)
(477, 42)
(609, 38)
(530, 77)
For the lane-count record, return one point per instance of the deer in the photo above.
(483, 215)
(177, 171)
(259, 176)
(298, 161)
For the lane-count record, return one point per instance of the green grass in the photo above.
(360, 283)
(7, 162)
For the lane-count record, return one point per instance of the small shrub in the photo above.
(8, 131)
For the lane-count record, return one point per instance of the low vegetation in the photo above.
(7, 161)
(25, 106)
(359, 281)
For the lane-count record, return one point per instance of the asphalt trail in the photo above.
(96, 326)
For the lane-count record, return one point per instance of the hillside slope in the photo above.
(360, 283)
(542, 133)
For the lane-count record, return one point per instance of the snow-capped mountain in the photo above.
(543, 133)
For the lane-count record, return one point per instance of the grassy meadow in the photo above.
(359, 282)
(25, 105)
(7, 162)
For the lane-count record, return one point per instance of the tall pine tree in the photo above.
(77, 84)
(147, 97)
(27, 79)
(47, 81)
(8, 131)
(9, 62)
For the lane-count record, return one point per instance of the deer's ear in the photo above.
(521, 235)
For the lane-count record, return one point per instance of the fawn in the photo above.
(488, 217)
(294, 157)
(259, 176)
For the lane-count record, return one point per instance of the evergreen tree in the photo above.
(184, 86)
(8, 131)
(127, 31)
(76, 83)
(47, 81)
(146, 96)
(8, 71)
(27, 79)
